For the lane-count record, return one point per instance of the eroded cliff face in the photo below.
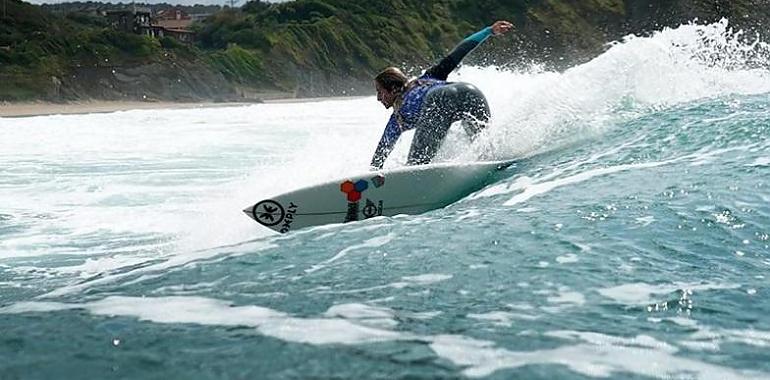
(179, 81)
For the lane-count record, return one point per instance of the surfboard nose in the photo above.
(248, 211)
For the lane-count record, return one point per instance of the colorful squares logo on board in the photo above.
(353, 192)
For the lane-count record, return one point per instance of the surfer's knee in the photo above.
(475, 111)
(473, 126)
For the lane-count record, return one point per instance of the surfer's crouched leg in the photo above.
(443, 106)
(475, 114)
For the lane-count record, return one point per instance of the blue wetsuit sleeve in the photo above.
(387, 142)
(441, 70)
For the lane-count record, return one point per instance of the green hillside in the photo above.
(40, 49)
(312, 47)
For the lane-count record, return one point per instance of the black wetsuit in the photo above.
(432, 104)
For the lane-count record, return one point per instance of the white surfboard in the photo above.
(405, 190)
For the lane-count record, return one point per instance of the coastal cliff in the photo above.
(318, 47)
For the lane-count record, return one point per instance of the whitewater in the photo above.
(631, 240)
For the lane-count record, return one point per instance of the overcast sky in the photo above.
(175, 2)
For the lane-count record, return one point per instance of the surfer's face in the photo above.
(384, 96)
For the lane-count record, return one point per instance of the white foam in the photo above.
(700, 346)
(501, 318)
(567, 297)
(520, 306)
(537, 189)
(408, 281)
(37, 307)
(567, 259)
(421, 315)
(326, 331)
(520, 182)
(365, 314)
(468, 214)
(428, 278)
(641, 293)
(681, 321)
(599, 339)
(540, 111)
(710, 339)
(602, 356)
(589, 353)
(374, 242)
(101, 265)
(645, 220)
(206, 311)
(171, 262)
(757, 338)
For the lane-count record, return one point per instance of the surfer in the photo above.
(429, 104)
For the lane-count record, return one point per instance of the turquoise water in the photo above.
(630, 241)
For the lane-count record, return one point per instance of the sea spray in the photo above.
(535, 111)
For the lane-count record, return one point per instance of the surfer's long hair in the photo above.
(396, 82)
(393, 80)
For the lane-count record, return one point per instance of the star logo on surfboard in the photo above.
(268, 212)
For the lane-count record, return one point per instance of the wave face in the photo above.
(631, 240)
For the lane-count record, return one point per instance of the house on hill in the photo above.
(174, 13)
(173, 22)
(136, 20)
(177, 31)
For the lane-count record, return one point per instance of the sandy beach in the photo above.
(25, 109)
(42, 108)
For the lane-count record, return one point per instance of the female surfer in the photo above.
(429, 104)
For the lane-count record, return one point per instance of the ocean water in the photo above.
(631, 240)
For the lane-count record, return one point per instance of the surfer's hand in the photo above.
(501, 27)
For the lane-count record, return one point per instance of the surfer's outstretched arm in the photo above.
(387, 142)
(445, 66)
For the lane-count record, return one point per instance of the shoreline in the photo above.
(30, 109)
